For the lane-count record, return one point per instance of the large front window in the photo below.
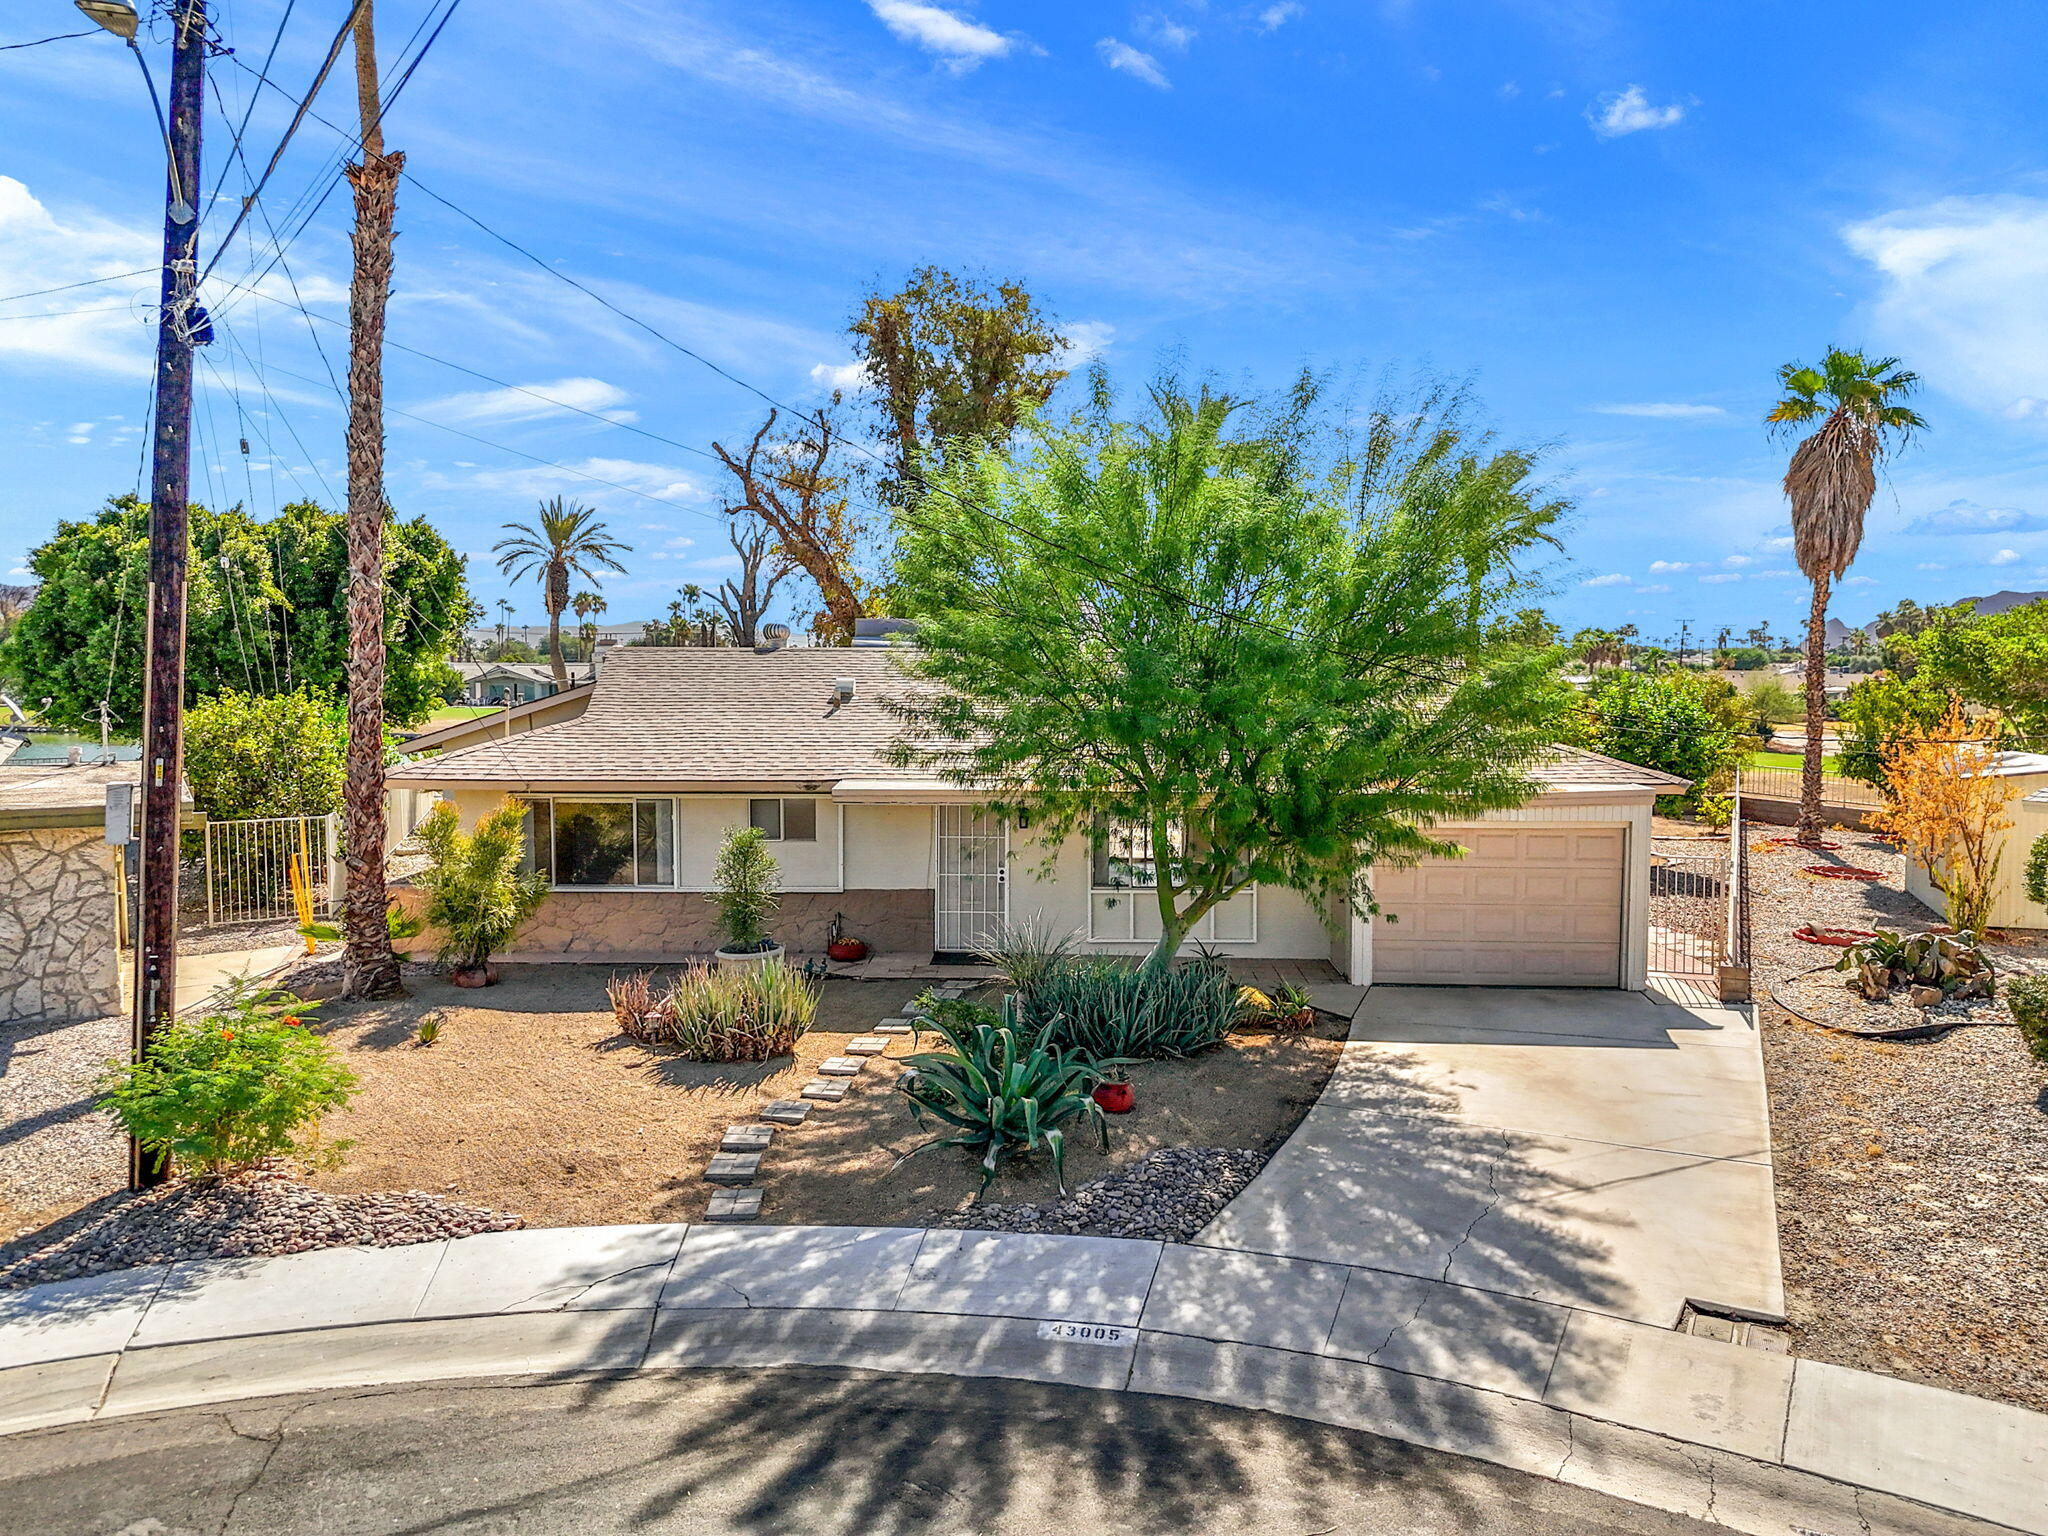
(599, 842)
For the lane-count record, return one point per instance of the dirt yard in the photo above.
(532, 1102)
(1912, 1178)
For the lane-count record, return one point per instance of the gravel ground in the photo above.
(258, 1215)
(1912, 1178)
(1171, 1194)
(56, 1151)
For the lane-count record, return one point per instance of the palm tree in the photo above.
(1830, 483)
(587, 606)
(570, 541)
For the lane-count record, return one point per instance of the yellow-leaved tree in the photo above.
(1947, 810)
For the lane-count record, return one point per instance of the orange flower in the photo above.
(227, 1034)
(291, 1023)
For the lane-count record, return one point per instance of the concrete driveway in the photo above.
(1598, 1150)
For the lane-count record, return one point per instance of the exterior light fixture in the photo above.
(117, 16)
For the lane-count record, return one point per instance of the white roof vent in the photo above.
(842, 690)
(773, 637)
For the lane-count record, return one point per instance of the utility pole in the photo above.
(163, 689)
(370, 969)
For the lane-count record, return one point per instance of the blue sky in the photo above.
(1618, 216)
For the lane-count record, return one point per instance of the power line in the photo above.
(60, 37)
(114, 277)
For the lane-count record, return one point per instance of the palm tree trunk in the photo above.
(557, 600)
(369, 967)
(1816, 712)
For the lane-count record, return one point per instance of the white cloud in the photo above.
(1628, 110)
(595, 480)
(1654, 588)
(1133, 62)
(1929, 565)
(2004, 557)
(1663, 411)
(1276, 16)
(1088, 340)
(40, 249)
(1860, 581)
(1611, 579)
(1965, 296)
(1963, 516)
(1739, 560)
(531, 402)
(1671, 565)
(1720, 576)
(848, 377)
(1166, 32)
(960, 44)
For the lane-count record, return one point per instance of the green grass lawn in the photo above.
(1791, 760)
(448, 714)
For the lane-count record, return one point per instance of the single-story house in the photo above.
(2028, 812)
(630, 798)
(513, 682)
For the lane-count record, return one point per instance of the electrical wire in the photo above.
(113, 277)
(60, 37)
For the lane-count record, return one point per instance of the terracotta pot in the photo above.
(1116, 1098)
(481, 976)
(847, 949)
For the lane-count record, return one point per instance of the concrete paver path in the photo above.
(1595, 1150)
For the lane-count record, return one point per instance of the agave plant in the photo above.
(1003, 1089)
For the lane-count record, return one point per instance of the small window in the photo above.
(1124, 859)
(785, 821)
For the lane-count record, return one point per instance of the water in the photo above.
(46, 747)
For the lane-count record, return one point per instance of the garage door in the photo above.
(1527, 907)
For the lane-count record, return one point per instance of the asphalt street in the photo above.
(762, 1453)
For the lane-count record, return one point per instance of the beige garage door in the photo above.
(1527, 907)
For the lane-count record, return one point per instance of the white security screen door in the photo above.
(972, 885)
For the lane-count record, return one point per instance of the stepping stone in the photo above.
(824, 1088)
(786, 1112)
(840, 1066)
(747, 1138)
(734, 1205)
(892, 1027)
(733, 1168)
(867, 1045)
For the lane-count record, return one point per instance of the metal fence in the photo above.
(1836, 792)
(1699, 911)
(253, 865)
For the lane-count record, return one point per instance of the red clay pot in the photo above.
(847, 949)
(1116, 1098)
(485, 976)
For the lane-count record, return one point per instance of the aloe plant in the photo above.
(1001, 1088)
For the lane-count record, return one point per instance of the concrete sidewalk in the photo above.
(1751, 1440)
(1581, 1149)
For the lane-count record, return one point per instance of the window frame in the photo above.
(782, 804)
(633, 804)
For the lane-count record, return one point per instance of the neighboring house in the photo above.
(631, 797)
(513, 682)
(2029, 816)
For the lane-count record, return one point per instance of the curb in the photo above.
(1757, 1442)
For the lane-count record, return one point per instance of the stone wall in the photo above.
(58, 960)
(676, 925)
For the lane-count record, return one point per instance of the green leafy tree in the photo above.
(1688, 723)
(1180, 622)
(478, 897)
(1748, 659)
(1882, 711)
(564, 540)
(1858, 403)
(1999, 660)
(1771, 702)
(257, 755)
(745, 889)
(265, 612)
(952, 360)
(1528, 626)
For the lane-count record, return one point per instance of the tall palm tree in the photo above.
(1830, 483)
(570, 541)
(587, 606)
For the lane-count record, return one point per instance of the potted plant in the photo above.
(477, 895)
(747, 881)
(1115, 1094)
(839, 946)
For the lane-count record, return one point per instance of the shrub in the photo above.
(1103, 1006)
(2035, 879)
(746, 884)
(1885, 960)
(1688, 723)
(2027, 997)
(710, 1013)
(1004, 1089)
(281, 755)
(1025, 953)
(1948, 812)
(477, 897)
(224, 1091)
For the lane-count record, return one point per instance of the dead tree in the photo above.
(789, 485)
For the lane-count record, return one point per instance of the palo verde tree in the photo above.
(266, 612)
(1282, 667)
(1830, 483)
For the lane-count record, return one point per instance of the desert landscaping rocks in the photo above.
(1168, 1195)
(257, 1215)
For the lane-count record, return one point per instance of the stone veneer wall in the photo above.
(58, 960)
(675, 925)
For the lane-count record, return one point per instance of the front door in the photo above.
(972, 888)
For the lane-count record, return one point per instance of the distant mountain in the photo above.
(1998, 602)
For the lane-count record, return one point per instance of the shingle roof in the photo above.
(687, 716)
